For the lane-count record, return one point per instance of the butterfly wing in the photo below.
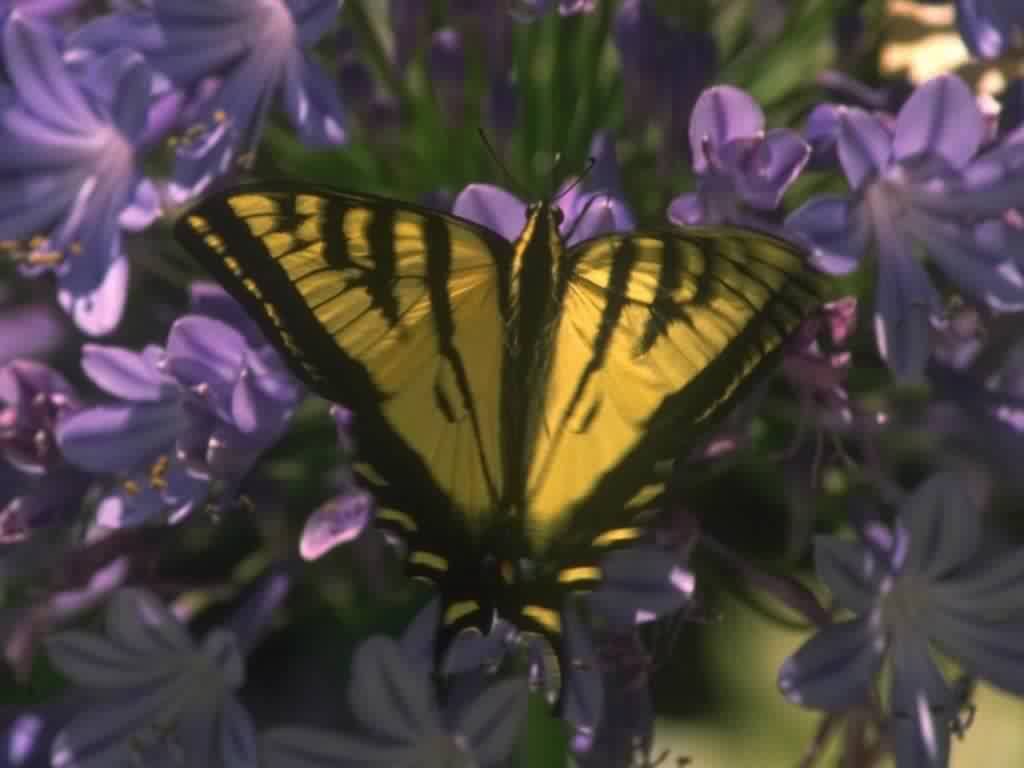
(659, 332)
(389, 309)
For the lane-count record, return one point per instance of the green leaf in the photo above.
(547, 743)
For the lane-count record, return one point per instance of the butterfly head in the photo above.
(549, 213)
(543, 223)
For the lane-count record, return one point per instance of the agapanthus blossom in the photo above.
(988, 414)
(254, 50)
(30, 329)
(198, 411)
(593, 207)
(400, 721)
(742, 171)
(70, 177)
(45, 9)
(819, 374)
(345, 516)
(923, 582)
(157, 693)
(38, 488)
(531, 9)
(990, 28)
(639, 584)
(918, 185)
(42, 8)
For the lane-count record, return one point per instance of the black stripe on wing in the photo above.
(236, 249)
(687, 414)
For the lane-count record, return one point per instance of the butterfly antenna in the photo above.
(512, 180)
(578, 180)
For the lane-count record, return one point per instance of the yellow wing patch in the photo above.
(407, 296)
(655, 334)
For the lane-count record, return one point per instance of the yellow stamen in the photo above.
(45, 258)
(158, 473)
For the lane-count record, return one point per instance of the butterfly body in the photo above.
(511, 398)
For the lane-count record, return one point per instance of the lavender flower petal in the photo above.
(722, 113)
(118, 438)
(864, 146)
(126, 374)
(493, 207)
(834, 669)
(773, 165)
(941, 117)
(838, 234)
(312, 103)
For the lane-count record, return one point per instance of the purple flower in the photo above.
(446, 67)
(819, 375)
(987, 420)
(256, 49)
(153, 691)
(38, 488)
(199, 411)
(570, 7)
(345, 516)
(30, 329)
(47, 9)
(397, 716)
(739, 167)
(528, 10)
(639, 584)
(915, 184)
(44, 8)
(924, 582)
(70, 177)
(592, 207)
(35, 397)
(664, 69)
(821, 132)
(208, 298)
(990, 27)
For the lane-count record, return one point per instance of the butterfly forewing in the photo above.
(657, 332)
(389, 309)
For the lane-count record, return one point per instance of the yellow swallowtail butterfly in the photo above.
(511, 398)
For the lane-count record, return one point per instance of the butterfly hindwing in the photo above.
(657, 332)
(389, 309)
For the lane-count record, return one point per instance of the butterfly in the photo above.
(511, 399)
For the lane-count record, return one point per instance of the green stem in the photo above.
(588, 107)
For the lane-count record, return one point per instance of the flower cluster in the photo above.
(84, 110)
(198, 411)
(917, 583)
(920, 183)
(40, 487)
